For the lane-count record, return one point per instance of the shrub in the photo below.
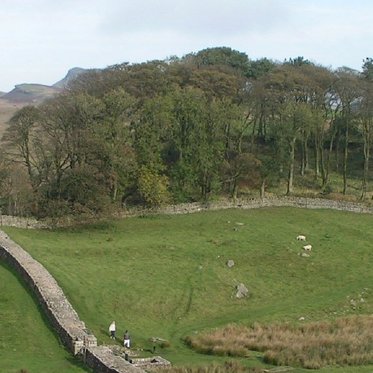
(153, 187)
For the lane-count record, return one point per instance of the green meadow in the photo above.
(167, 277)
(26, 340)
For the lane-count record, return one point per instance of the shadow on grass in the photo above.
(78, 363)
(43, 316)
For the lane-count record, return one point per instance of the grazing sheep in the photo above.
(301, 238)
(307, 247)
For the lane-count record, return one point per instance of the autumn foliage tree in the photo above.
(212, 123)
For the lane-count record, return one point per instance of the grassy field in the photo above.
(166, 276)
(26, 341)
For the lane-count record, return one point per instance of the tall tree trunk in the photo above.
(326, 163)
(317, 158)
(234, 190)
(345, 158)
(227, 139)
(291, 167)
(366, 149)
(262, 189)
(306, 155)
(337, 151)
(304, 163)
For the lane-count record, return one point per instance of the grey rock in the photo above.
(242, 291)
(230, 263)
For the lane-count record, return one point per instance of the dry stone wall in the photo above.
(101, 359)
(62, 316)
(302, 202)
(19, 222)
(188, 208)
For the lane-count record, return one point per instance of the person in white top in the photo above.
(112, 330)
(126, 339)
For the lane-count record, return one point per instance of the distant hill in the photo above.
(30, 93)
(71, 75)
(34, 94)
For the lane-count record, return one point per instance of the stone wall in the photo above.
(19, 222)
(62, 316)
(101, 359)
(188, 208)
(302, 202)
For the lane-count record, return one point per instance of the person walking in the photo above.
(112, 330)
(126, 339)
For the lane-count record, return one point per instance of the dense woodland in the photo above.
(212, 123)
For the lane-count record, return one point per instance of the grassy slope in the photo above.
(26, 342)
(167, 276)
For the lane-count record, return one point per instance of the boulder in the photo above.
(242, 291)
(230, 263)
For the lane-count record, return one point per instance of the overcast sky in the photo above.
(41, 39)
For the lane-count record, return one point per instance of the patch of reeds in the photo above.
(228, 367)
(344, 341)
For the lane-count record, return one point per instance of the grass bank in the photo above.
(26, 341)
(166, 276)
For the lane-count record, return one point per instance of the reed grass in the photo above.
(344, 341)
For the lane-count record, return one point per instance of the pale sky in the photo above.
(40, 40)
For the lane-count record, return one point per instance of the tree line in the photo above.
(207, 124)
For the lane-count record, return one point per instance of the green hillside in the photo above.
(26, 340)
(166, 276)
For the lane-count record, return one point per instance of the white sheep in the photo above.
(307, 247)
(301, 238)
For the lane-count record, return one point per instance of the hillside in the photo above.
(167, 276)
(38, 350)
(33, 93)
(30, 93)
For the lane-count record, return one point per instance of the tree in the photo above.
(293, 119)
(348, 90)
(115, 154)
(368, 68)
(259, 68)
(269, 169)
(240, 170)
(21, 138)
(365, 126)
(153, 187)
(298, 61)
(289, 100)
(221, 56)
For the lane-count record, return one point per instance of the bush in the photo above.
(153, 187)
